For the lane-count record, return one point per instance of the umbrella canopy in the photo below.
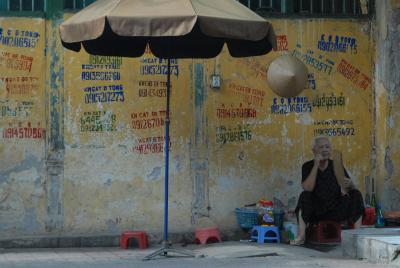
(171, 28)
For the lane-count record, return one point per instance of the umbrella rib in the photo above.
(193, 9)
(226, 11)
(111, 10)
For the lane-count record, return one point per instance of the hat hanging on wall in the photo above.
(287, 76)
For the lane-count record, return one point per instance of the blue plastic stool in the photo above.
(262, 233)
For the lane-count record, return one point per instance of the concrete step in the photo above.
(377, 245)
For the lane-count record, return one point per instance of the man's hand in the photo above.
(317, 159)
(343, 192)
(347, 186)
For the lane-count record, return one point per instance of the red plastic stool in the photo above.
(140, 236)
(207, 235)
(324, 232)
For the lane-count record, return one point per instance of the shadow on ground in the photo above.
(321, 247)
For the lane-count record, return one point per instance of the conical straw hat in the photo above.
(287, 76)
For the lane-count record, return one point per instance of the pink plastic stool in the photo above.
(207, 235)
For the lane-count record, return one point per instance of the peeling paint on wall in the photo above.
(199, 166)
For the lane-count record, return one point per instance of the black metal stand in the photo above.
(166, 246)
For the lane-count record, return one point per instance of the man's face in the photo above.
(323, 147)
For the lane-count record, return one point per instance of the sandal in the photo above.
(297, 242)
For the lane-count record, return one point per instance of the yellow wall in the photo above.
(23, 126)
(229, 146)
(281, 142)
(262, 160)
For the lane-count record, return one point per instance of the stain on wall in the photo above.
(55, 124)
(199, 142)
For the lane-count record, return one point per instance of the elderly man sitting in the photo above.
(329, 193)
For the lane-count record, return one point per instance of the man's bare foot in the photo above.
(357, 224)
(298, 241)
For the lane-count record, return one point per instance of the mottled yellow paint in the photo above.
(239, 172)
(22, 101)
(11, 95)
(112, 183)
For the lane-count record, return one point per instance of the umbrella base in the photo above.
(167, 248)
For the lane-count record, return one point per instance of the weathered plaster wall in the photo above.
(270, 163)
(387, 83)
(229, 147)
(22, 123)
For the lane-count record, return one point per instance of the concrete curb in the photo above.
(375, 245)
(103, 240)
(60, 242)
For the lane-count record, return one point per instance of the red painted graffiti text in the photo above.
(151, 145)
(281, 43)
(147, 120)
(24, 132)
(236, 112)
(15, 61)
(251, 96)
(354, 75)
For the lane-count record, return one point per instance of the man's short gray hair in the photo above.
(316, 139)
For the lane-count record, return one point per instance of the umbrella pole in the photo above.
(167, 122)
(166, 245)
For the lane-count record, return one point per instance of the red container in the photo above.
(369, 217)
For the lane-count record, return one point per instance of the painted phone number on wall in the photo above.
(335, 132)
(104, 97)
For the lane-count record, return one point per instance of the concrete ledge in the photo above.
(378, 245)
(384, 249)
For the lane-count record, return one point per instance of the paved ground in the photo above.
(227, 254)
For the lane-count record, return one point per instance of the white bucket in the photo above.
(291, 229)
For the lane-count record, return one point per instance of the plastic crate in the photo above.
(246, 218)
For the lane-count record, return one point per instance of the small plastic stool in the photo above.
(262, 233)
(325, 232)
(207, 235)
(140, 236)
